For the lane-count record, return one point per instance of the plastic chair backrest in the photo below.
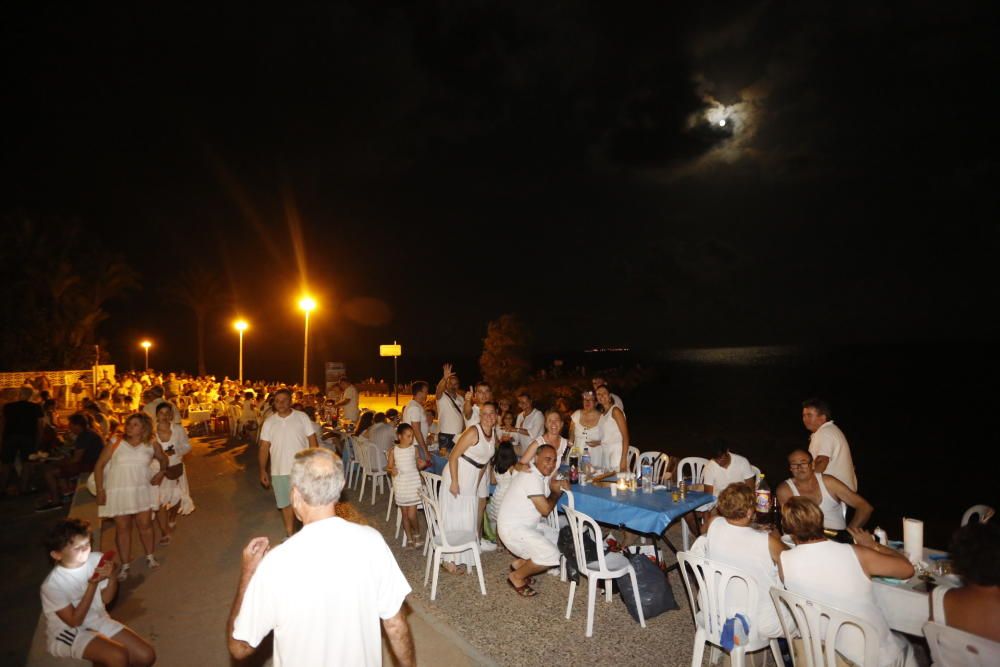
(371, 453)
(579, 523)
(361, 452)
(819, 646)
(432, 483)
(433, 513)
(697, 467)
(708, 597)
(569, 499)
(632, 460)
(658, 460)
(951, 647)
(984, 512)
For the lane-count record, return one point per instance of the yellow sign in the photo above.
(390, 350)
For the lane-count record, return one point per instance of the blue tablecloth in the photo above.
(438, 463)
(642, 512)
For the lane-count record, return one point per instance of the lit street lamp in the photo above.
(306, 304)
(241, 326)
(146, 345)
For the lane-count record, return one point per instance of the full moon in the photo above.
(722, 123)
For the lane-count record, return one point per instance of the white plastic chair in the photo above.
(443, 542)
(354, 467)
(607, 566)
(708, 601)
(951, 647)
(632, 459)
(431, 483)
(984, 512)
(818, 625)
(658, 460)
(696, 467)
(367, 456)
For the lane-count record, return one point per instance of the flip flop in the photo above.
(525, 591)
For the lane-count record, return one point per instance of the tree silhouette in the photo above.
(200, 290)
(505, 359)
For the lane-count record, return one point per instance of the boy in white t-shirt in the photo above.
(73, 598)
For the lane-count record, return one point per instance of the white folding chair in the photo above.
(447, 542)
(367, 457)
(695, 466)
(431, 484)
(983, 512)
(632, 459)
(658, 461)
(606, 567)
(709, 596)
(819, 625)
(951, 647)
(353, 465)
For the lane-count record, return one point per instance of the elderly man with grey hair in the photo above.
(323, 590)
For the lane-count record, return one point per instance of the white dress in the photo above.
(584, 434)
(127, 481)
(610, 452)
(461, 513)
(406, 483)
(173, 491)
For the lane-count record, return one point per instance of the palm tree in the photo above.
(200, 290)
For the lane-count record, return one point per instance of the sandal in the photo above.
(530, 581)
(165, 540)
(123, 572)
(525, 591)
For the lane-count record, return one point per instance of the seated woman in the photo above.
(975, 607)
(731, 540)
(840, 575)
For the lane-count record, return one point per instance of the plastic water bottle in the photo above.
(585, 468)
(763, 500)
(647, 478)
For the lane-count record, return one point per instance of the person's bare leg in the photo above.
(123, 537)
(480, 515)
(288, 518)
(140, 652)
(104, 651)
(692, 523)
(527, 569)
(144, 520)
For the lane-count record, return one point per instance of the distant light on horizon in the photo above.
(607, 349)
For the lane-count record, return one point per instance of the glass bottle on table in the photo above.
(763, 501)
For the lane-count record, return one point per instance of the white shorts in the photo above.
(72, 642)
(531, 544)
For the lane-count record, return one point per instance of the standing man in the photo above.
(451, 419)
(23, 422)
(482, 394)
(324, 591)
(530, 422)
(828, 492)
(827, 444)
(413, 414)
(599, 381)
(285, 433)
(348, 402)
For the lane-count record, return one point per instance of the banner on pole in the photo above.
(393, 350)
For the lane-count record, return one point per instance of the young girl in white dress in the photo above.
(125, 493)
(404, 466)
(502, 474)
(172, 496)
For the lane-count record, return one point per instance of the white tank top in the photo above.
(483, 450)
(829, 572)
(747, 549)
(583, 434)
(610, 433)
(833, 511)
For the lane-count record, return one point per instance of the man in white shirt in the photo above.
(413, 414)
(323, 591)
(483, 394)
(530, 422)
(598, 381)
(527, 501)
(722, 470)
(827, 444)
(382, 435)
(451, 420)
(348, 402)
(285, 433)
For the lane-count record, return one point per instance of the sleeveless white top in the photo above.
(611, 434)
(563, 444)
(830, 572)
(747, 548)
(582, 434)
(833, 511)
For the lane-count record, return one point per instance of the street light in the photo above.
(146, 345)
(241, 326)
(306, 304)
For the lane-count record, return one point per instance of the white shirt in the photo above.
(323, 593)
(414, 415)
(383, 436)
(450, 416)
(65, 586)
(829, 440)
(534, 424)
(473, 417)
(517, 509)
(719, 478)
(288, 436)
(351, 411)
(749, 550)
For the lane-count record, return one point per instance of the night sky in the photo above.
(640, 174)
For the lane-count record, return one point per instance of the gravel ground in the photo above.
(534, 631)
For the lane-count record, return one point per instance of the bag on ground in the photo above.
(566, 548)
(655, 593)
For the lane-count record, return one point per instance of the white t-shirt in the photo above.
(414, 415)
(288, 436)
(517, 509)
(64, 587)
(351, 409)
(829, 440)
(719, 478)
(534, 424)
(450, 416)
(473, 417)
(323, 593)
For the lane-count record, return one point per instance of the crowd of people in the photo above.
(501, 466)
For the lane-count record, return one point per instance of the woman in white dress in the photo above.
(404, 466)
(172, 496)
(613, 452)
(553, 427)
(465, 483)
(125, 493)
(585, 426)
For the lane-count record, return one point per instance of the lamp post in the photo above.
(306, 304)
(241, 326)
(145, 345)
